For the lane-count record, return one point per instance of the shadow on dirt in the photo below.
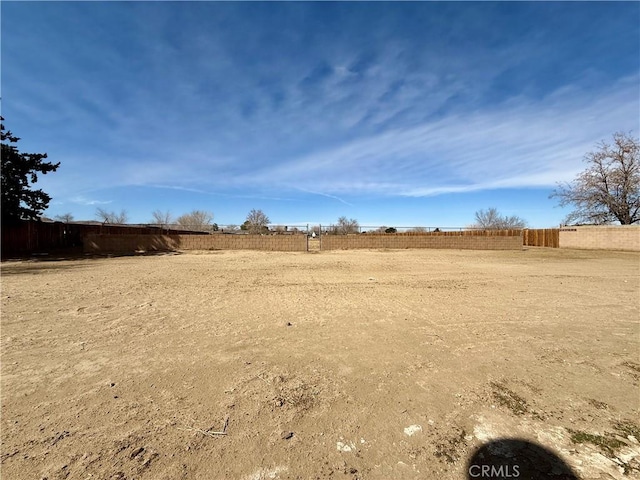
(516, 458)
(34, 264)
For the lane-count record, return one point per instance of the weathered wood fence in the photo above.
(29, 237)
(542, 237)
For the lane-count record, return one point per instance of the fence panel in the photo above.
(541, 237)
(29, 237)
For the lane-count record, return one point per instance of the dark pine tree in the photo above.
(20, 201)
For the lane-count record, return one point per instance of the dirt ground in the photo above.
(352, 364)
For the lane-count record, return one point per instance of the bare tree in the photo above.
(196, 220)
(111, 217)
(609, 189)
(102, 215)
(162, 219)
(256, 221)
(345, 226)
(65, 217)
(491, 219)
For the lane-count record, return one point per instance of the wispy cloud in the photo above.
(85, 201)
(520, 144)
(273, 101)
(324, 195)
(219, 194)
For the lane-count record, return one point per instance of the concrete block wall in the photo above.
(601, 237)
(119, 244)
(465, 242)
(281, 243)
(101, 244)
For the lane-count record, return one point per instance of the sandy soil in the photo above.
(353, 364)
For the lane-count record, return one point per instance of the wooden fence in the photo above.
(542, 237)
(32, 237)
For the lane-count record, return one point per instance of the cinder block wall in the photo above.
(282, 243)
(616, 237)
(99, 244)
(345, 242)
(102, 244)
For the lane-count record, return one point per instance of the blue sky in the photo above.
(391, 113)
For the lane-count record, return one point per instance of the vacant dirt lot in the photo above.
(351, 364)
